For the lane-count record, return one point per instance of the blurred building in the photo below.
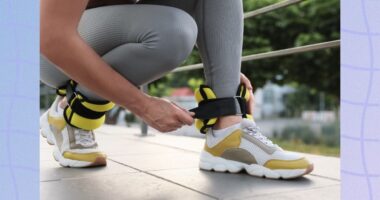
(269, 100)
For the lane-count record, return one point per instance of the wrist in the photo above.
(139, 104)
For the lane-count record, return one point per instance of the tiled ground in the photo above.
(165, 167)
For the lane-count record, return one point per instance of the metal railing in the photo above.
(271, 54)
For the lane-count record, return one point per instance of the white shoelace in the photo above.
(84, 138)
(255, 131)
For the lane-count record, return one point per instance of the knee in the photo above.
(178, 38)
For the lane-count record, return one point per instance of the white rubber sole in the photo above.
(47, 133)
(68, 162)
(45, 130)
(209, 162)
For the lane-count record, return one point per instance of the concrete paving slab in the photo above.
(46, 154)
(325, 166)
(226, 185)
(51, 170)
(328, 193)
(137, 186)
(160, 162)
(166, 167)
(119, 146)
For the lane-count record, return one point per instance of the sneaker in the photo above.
(242, 146)
(53, 115)
(73, 147)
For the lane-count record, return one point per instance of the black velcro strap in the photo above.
(81, 110)
(243, 105)
(214, 108)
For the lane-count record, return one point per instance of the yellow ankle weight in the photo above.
(204, 93)
(85, 114)
(81, 112)
(244, 93)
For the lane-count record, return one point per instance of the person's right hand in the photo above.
(165, 116)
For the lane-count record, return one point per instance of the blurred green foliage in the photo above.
(304, 139)
(308, 22)
(329, 135)
(301, 133)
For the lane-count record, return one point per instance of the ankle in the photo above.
(226, 121)
(62, 103)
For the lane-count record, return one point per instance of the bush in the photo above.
(331, 135)
(300, 133)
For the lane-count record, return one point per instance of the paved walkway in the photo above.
(165, 167)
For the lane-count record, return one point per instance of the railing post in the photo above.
(144, 126)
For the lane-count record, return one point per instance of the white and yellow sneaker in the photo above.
(242, 146)
(73, 147)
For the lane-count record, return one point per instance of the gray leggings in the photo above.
(143, 42)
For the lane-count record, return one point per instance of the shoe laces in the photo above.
(255, 131)
(84, 138)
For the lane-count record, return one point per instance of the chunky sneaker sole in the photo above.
(98, 160)
(243, 147)
(45, 129)
(53, 128)
(212, 163)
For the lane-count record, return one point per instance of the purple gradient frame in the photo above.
(19, 97)
(360, 99)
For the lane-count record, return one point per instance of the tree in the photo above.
(309, 22)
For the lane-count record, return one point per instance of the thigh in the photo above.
(50, 74)
(141, 42)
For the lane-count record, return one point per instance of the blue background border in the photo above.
(19, 99)
(360, 99)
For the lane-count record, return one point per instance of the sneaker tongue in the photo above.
(247, 123)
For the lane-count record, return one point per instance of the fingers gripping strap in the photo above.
(244, 93)
(84, 113)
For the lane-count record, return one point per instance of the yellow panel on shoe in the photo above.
(87, 157)
(248, 116)
(231, 141)
(57, 122)
(288, 164)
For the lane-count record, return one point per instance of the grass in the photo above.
(294, 145)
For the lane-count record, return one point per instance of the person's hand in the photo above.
(165, 116)
(251, 102)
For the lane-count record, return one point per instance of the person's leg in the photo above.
(134, 41)
(220, 42)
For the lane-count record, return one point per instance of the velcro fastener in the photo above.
(213, 108)
(81, 122)
(77, 106)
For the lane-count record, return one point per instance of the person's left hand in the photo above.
(251, 102)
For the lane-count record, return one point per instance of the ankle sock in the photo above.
(215, 136)
(227, 129)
